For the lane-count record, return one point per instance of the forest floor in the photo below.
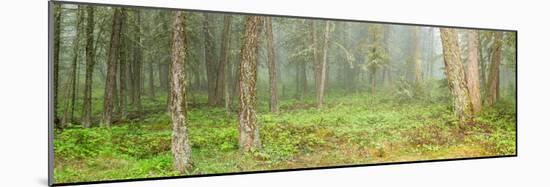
(348, 130)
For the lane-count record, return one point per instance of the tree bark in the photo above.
(181, 149)
(57, 45)
(111, 67)
(492, 84)
(151, 80)
(137, 62)
(472, 75)
(69, 104)
(323, 67)
(224, 58)
(123, 71)
(209, 58)
(249, 135)
(272, 67)
(416, 55)
(454, 71)
(90, 61)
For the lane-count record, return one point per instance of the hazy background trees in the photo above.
(119, 65)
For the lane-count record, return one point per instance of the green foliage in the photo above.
(351, 129)
(81, 143)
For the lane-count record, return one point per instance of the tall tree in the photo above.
(492, 83)
(209, 58)
(90, 61)
(224, 59)
(323, 67)
(111, 67)
(181, 149)
(56, 57)
(69, 104)
(454, 72)
(316, 62)
(123, 70)
(416, 55)
(137, 65)
(272, 67)
(249, 134)
(472, 75)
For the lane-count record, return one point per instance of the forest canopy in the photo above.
(145, 92)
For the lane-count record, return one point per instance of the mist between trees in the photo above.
(156, 92)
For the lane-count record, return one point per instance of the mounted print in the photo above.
(141, 93)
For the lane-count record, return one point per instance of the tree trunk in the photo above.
(272, 67)
(482, 63)
(151, 80)
(87, 104)
(303, 79)
(249, 135)
(492, 84)
(137, 63)
(316, 62)
(472, 75)
(224, 58)
(181, 149)
(123, 70)
(69, 104)
(209, 58)
(323, 67)
(416, 55)
(111, 67)
(57, 45)
(455, 76)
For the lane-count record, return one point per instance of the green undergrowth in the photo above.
(355, 129)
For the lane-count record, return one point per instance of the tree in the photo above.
(376, 54)
(56, 57)
(272, 67)
(492, 84)
(454, 72)
(90, 61)
(224, 55)
(249, 134)
(472, 75)
(123, 70)
(209, 59)
(181, 149)
(416, 56)
(136, 70)
(323, 67)
(69, 104)
(111, 67)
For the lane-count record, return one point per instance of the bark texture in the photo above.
(222, 65)
(111, 67)
(181, 149)
(494, 68)
(57, 45)
(249, 135)
(472, 75)
(71, 90)
(90, 62)
(323, 67)
(209, 58)
(454, 72)
(272, 68)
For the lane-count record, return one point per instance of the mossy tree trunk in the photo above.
(181, 149)
(472, 75)
(454, 72)
(111, 67)
(249, 135)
